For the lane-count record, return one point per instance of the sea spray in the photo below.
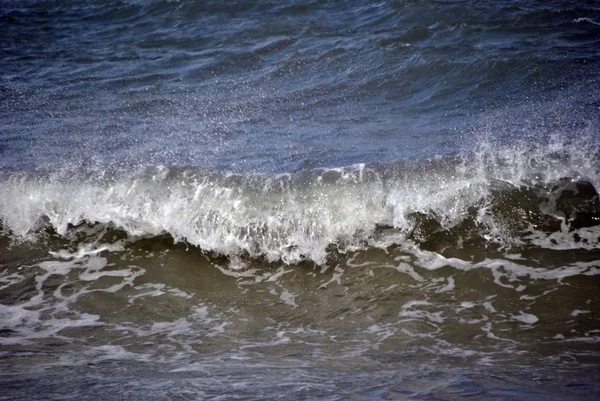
(508, 194)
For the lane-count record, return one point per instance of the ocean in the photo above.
(299, 200)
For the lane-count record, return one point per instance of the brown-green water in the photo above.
(159, 321)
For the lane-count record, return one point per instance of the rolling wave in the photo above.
(501, 197)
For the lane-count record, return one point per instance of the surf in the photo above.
(501, 197)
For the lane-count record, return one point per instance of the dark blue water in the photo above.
(260, 86)
(300, 200)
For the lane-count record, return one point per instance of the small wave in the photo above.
(585, 21)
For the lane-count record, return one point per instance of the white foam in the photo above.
(507, 273)
(336, 278)
(113, 352)
(527, 318)
(157, 290)
(383, 331)
(585, 20)
(448, 287)
(488, 329)
(47, 315)
(288, 298)
(296, 217)
(86, 250)
(566, 238)
(408, 269)
(408, 310)
(6, 280)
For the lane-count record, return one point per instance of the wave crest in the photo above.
(502, 196)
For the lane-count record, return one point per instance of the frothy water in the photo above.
(452, 265)
(506, 193)
(416, 322)
(332, 201)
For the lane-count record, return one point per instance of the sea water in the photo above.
(299, 200)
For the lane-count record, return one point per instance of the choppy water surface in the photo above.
(301, 200)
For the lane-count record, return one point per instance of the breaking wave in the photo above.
(502, 197)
